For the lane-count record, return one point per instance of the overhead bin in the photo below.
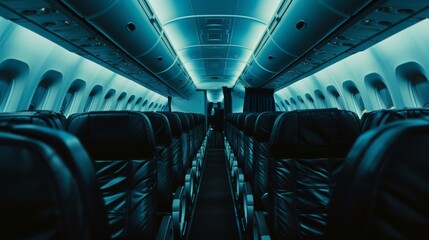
(127, 25)
(303, 25)
(171, 72)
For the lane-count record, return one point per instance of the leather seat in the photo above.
(262, 132)
(80, 165)
(249, 126)
(186, 131)
(176, 148)
(39, 117)
(382, 190)
(241, 139)
(122, 146)
(164, 169)
(307, 150)
(382, 117)
(40, 198)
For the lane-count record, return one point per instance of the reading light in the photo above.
(214, 39)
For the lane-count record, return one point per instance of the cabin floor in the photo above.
(214, 215)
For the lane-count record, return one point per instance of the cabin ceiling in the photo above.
(176, 47)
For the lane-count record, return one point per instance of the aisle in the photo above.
(214, 216)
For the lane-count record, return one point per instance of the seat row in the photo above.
(114, 174)
(287, 167)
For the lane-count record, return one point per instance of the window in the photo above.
(294, 106)
(138, 104)
(11, 70)
(130, 103)
(119, 101)
(287, 106)
(69, 99)
(89, 105)
(374, 81)
(356, 97)
(144, 105)
(5, 87)
(108, 100)
(42, 91)
(417, 85)
(420, 89)
(310, 100)
(320, 99)
(150, 106)
(301, 103)
(338, 102)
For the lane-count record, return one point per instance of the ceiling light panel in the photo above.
(214, 39)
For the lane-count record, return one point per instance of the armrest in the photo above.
(179, 212)
(165, 231)
(260, 227)
(189, 185)
(196, 169)
(238, 182)
(248, 208)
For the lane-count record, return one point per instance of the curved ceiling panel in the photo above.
(214, 39)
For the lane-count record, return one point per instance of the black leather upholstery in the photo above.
(176, 148)
(249, 125)
(122, 145)
(185, 139)
(161, 129)
(80, 165)
(241, 140)
(306, 149)
(191, 134)
(39, 117)
(40, 198)
(382, 117)
(378, 118)
(263, 126)
(382, 191)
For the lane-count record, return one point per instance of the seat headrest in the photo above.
(249, 124)
(382, 189)
(39, 117)
(175, 125)
(314, 133)
(184, 121)
(264, 125)
(191, 120)
(112, 135)
(161, 128)
(378, 118)
(241, 120)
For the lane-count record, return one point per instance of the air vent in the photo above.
(214, 36)
(214, 21)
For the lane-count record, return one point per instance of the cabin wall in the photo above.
(237, 102)
(391, 74)
(38, 73)
(197, 103)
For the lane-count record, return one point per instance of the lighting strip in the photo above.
(161, 11)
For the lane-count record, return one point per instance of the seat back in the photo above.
(80, 165)
(164, 169)
(262, 132)
(186, 131)
(382, 191)
(122, 146)
(40, 198)
(249, 126)
(307, 149)
(176, 148)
